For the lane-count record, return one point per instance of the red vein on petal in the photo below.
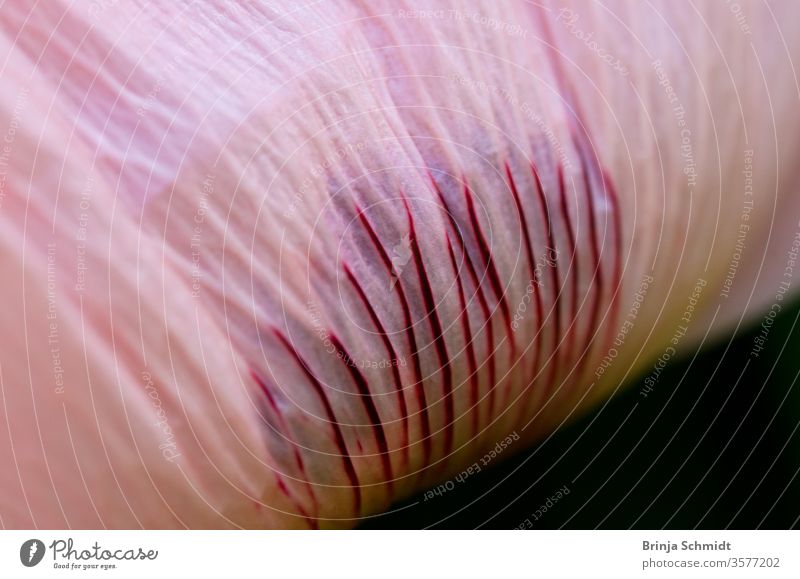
(312, 523)
(598, 266)
(472, 363)
(319, 389)
(484, 304)
(565, 89)
(486, 255)
(611, 193)
(369, 407)
(534, 276)
(569, 337)
(555, 279)
(412, 341)
(398, 384)
(284, 428)
(438, 338)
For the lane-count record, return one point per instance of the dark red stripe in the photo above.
(319, 389)
(494, 279)
(611, 193)
(608, 188)
(436, 329)
(419, 390)
(594, 168)
(574, 270)
(555, 279)
(398, 384)
(312, 523)
(598, 266)
(284, 428)
(369, 408)
(534, 276)
(573, 105)
(472, 363)
(484, 304)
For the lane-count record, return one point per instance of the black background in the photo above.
(711, 447)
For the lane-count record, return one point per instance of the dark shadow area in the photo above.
(714, 445)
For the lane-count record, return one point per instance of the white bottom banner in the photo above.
(370, 554)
